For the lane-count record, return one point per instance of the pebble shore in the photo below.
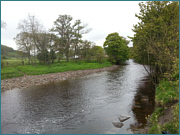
(32, 80)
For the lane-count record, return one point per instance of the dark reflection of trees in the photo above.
(144, 103)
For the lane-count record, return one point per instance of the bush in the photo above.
(166, 92)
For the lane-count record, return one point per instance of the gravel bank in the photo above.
(31, 80)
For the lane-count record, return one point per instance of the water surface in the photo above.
(82, 105)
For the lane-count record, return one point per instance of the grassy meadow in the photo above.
(15, 68)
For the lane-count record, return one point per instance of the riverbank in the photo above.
(31, 80)
(167, 121)
(15, 70)
(165, 117)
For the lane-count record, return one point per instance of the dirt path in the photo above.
(31, 80)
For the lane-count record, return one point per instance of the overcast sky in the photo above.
(104, 17)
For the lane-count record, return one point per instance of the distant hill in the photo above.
(5, 48)
(8, 51)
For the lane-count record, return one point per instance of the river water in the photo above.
(82, 105)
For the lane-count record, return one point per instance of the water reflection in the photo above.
(83, 105)
(144, 103)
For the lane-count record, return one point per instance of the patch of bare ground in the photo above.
(168, 115)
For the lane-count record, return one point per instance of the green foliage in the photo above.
(43, 56)
(156, 114)
(156, 39)
(2, 62)
(156, 42)
(70, 34)
(155, 129)
(7, 52)
(3, 57)
(98, 53)
(9, 72)
(166, 92)
(171, 126)
(14, 62)
(116, 48)
(52, 55)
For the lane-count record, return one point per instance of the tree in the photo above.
(24, 42)
(34, 39)
(79, 30)
(156, 39)
(86, 51)
(52, 55)
(43, 57)
(60, 48)
(98, 53)
(69, 33)
(63, 26)
(116, 48)
(28, 38)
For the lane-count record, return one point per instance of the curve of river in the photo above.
(83, 105)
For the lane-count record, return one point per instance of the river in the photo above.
(82, 105)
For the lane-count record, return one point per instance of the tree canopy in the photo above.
(116, 48)
(156, 39)
(69, 34)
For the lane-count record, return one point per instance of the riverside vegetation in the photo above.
(16, 69)
(156, 43)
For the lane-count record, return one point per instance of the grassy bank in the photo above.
(166, 115)
(18, 70)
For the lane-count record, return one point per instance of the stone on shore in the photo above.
(32, 80)
(123, 118)
(118, 124)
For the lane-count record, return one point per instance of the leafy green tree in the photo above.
(63, 25)
(86, 50)
(98, 53)
(69, 33)
(116, 48)
(156, 39)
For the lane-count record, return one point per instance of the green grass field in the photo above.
(16, 69)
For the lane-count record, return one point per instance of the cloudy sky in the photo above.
(103, 17)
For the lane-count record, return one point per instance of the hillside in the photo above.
(8, 52)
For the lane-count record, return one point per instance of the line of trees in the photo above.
(156, 39)
(63, 40)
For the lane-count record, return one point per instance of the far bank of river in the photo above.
(32, 80)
